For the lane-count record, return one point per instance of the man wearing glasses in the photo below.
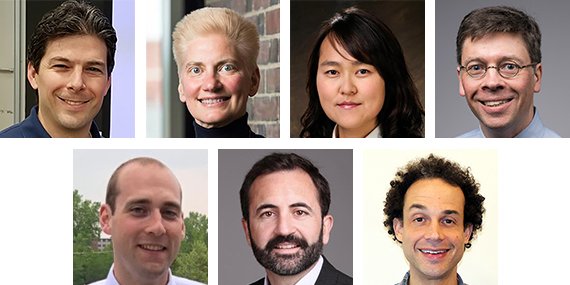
(500, 69)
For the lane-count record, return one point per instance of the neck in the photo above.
(56, 131)
(276, 279)
(360, 132)
(417, 278)
(124, 277)
(509, 131)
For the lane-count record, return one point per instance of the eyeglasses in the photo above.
(507, 69)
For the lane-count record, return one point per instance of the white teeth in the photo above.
(286, 246)
(495, 103)
(152, 247)
(73, 102)
(212, 101)
(433, 251)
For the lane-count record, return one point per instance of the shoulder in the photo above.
(330, 275)
(183, 281)
(100, 282)
(548, 133)
(259, 282)
(14, 131)
(472, 134)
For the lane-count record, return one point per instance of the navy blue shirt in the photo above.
(31, 127)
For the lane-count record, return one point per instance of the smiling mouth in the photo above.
(213, 100)
(434, 251)
(286, 246)
(152, 247)
(495, 103)
(73, 102)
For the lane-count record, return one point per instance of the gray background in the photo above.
(453, 117)
(236, 263)
(406, 19)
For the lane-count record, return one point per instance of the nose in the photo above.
(285, 225)
(347, 86)
(155, 224)
(493, 80)
(76, 82)
(434, 232)
(211, 82)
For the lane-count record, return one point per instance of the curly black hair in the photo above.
(435, 167)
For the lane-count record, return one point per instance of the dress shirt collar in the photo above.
(111, 280)
(406, 279)
(373, 134)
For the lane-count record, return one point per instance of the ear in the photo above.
(461, 90)
(468, 231)
(398, 229)
(108, 85)
(32, 76)
(246, 231)
(328, 222)
(181, 92)
(105, 216)
(183, 233)
(255, 78)
(537, 77)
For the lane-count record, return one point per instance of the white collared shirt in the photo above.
(172, 280)
(375, 133)
(311, 277)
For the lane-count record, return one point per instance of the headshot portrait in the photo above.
(148, 225)
(357, 69)
(70, 59)
(430, 215)
(227, 71)
(507, 66)
(285, 216)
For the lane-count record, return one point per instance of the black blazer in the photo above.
(328, 276)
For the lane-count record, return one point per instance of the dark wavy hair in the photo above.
(71, 18)
(428, 168)
(285, 162)
(503, 19)
(370, 41)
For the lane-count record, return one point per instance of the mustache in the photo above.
(301, 242)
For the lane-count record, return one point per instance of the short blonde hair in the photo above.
(241, 33)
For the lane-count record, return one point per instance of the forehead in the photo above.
(150, 182)
(210, 47)
(332, 50)
(77, 48)
(495, 46)
(434, 194)
(283, 188)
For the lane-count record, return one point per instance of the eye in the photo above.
(475, 67)
(419, 219)
(60, 66)
(363, 71)
(228, 68)
(170, 214)
(94, 69)
(195, 70)
(509, 66)
(138, 211)
(448, 221)
(331, 72)
(267, 214)
(300, 213)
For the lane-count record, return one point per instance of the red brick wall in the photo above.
(263, 108)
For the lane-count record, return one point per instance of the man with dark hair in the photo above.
(507, 40)
(143, 215)
(434, 209)
(70, 60)
(285, 202)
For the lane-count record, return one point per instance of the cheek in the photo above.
(235, 84)
(190, 88)
(326, 90)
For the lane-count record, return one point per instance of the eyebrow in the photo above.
(336, 63)
(66, 60)
(144, 201)
(272, 206)
(223, 61)
(422, 207)
(501, 59)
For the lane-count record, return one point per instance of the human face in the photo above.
(351, 92)
(215, 82)
(147, 225)
(285, 222)
(504, 106)
(71, 81)
(431, 230)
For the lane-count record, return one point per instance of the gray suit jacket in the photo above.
(328, 276)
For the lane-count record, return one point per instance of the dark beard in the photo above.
(288, 264)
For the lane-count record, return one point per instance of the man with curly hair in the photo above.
(434, 210)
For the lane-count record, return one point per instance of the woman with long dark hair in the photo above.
(358, 82)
